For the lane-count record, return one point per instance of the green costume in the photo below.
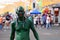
(22, 26)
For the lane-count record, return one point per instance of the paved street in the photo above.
(44, 34)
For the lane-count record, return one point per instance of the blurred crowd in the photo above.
(5, 20)
(44, 20)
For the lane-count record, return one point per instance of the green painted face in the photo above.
(20, 12)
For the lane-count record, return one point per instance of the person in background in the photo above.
(48, 22)
(8, 20)
(44, 20)
(1, 23)
(4, 19)
(35, 21)
(39, 20)
(52, 20)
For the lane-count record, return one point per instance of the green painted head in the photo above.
(20, 12)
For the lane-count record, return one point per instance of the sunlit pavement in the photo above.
(44, 34)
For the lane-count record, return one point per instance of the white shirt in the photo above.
(48, 20)
(35, 20)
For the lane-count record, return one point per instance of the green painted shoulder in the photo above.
(30, 19)
(13, 22)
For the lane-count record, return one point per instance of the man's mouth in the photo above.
(20, 14)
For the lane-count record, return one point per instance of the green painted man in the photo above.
(22, 26)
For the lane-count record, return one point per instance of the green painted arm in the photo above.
(33, 29)
(12, 31)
